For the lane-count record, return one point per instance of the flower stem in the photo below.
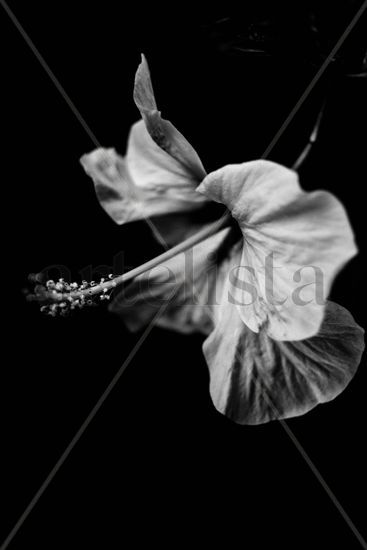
(181, 247)
(311, 140)
(208, 231)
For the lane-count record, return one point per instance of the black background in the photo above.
(158, 464)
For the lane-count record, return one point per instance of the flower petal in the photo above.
(146, 183)
(186, 288)
(162, 131)
(160, 172)
(255, 379)
(294, 245)
(152, 168)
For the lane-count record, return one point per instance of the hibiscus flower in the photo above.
(256, 287)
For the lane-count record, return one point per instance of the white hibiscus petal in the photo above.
(154, 169)
(255, 379)
(146, 183)
(294, 245)
(160, 172)
(162, 131)
(116, 192)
